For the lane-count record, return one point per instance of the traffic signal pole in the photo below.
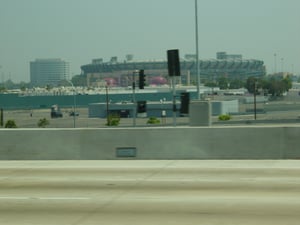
(174, 101)
(174, 70)
(133, 98)
(142, 83)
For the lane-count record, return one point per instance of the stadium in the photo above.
(115, 73)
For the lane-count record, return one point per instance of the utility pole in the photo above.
(197, 50)
(107, 106)
(255, 84)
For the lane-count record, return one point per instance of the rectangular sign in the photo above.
(126, 152)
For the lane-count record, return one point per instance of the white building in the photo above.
(48, 71)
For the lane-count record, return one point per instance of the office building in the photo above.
(48, 72)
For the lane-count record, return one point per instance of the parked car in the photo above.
(73, 113)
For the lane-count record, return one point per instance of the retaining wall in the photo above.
(252, 142)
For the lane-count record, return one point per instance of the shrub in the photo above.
(224, 117)
(10, 124)
(43, 123)
(153, 120)
(113, 120)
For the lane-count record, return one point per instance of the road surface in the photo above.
(149, 192)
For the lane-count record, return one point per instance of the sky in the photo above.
(78, 31)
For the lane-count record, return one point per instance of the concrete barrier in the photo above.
(252, 142)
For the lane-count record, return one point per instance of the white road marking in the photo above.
(63, 198)
(14, 197)
(42, 198)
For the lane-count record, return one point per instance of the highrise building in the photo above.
(48, 71)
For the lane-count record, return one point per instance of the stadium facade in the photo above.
(48, 72)
(121, 73)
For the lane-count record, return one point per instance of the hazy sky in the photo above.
(80, 30)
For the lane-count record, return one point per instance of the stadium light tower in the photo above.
(197, 50)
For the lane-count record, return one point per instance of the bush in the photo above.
(113, 120)
(153, 120)
(43, 123)
(10, 124)
(224, 117)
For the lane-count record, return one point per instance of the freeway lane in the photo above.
(149, 192)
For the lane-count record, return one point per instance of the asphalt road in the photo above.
(149, 192)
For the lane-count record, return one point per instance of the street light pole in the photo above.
(275, 63)
(197, 50)
(282, 63)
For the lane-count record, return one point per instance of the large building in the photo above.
(48, 71)
(121, 73)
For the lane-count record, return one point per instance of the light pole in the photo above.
(282, 63)
(275, 63)
(74, 103)
(197, 50)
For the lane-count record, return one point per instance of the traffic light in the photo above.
(185, 101)
(141, 106)
(142, 79)
(173, 62)
(1, 117)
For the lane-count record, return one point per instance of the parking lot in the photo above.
(282, 111)
(30, 118)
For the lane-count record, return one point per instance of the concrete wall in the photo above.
(224, 107)
(255, 142)
(154, 109)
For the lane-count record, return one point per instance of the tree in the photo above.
(211, 84)
(276, 87)
(265, 85)
(64, 83)
(223, 83)
(273, 86)
(253, 84)
(43, 123)
(10, 124)
(79, 80)
(287, 83)
(236, 84)
(2, 89)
